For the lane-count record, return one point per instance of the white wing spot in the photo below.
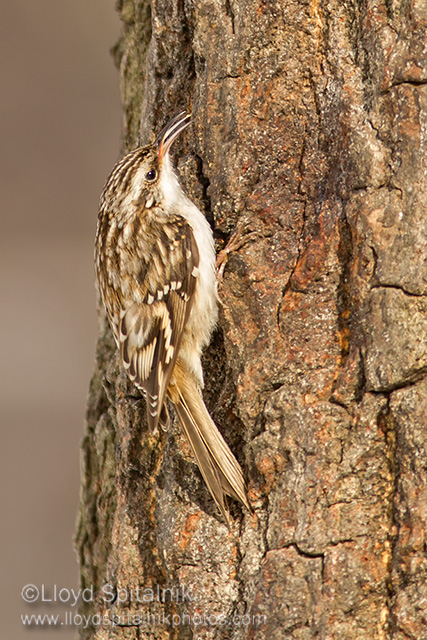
(127, 230)
(167, 329)
(150, 299)
(169, 354)
(160, 377)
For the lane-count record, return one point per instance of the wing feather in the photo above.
(150, 333)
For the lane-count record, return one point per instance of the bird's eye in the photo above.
(151, 175)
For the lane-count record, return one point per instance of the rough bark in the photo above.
(310, 132)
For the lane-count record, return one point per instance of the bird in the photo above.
(155, 268)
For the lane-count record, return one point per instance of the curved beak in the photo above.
(171, 131)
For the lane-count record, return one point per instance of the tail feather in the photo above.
(219, 467)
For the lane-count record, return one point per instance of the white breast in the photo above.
(204, 311)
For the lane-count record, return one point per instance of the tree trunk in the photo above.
(309, 135)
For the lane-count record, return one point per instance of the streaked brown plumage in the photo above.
(155, 265)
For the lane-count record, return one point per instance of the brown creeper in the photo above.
(155, 265)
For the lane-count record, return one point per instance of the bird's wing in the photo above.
(150, 330)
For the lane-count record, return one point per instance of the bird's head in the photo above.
(144, 177)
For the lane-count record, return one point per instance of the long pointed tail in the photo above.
(220, 469)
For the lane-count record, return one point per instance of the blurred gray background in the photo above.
(60, 136)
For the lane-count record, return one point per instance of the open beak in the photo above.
(171, 131)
